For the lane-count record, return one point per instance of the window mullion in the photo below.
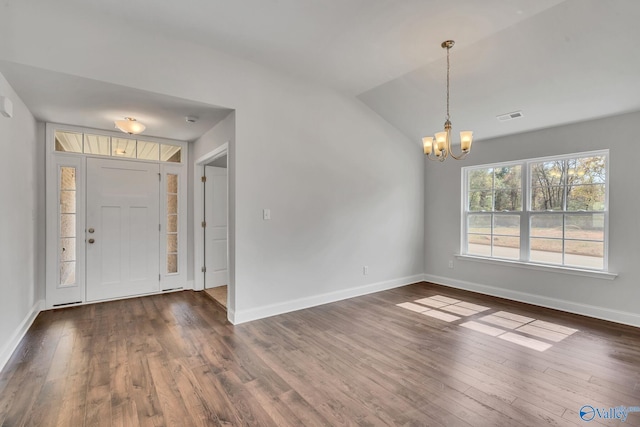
(524, 216)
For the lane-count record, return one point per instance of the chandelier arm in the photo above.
(461, 156)
(434, 158)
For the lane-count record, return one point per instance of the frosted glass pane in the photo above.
(68, 225)
(172, 204)
(148, 150)
(67, 178)
(172, 183)
(97, 144)
(67, 202)
(170, 153)
(172, 223)
(172, 263)
(69, 142)
(172, 243)
(68, 249)
(68, 273)
(122, 147)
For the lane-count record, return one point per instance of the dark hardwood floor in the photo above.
(173, 360)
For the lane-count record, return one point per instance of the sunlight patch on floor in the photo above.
(492, 323)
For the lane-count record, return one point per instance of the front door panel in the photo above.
(122, 228)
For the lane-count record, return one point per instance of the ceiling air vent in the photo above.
(509, 116)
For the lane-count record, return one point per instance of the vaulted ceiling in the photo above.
(556, 61)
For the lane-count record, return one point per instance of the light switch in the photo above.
(266, 214)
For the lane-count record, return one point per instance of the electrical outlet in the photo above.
(450, 263)
(365, 270)
(266, 214)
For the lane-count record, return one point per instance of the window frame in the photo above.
(527, 213)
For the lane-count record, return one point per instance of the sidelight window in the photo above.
(172, 223)
(67, 223)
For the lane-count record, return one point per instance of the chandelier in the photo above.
(441, 148)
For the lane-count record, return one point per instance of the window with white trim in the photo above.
(551, 210)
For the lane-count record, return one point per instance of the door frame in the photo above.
(198, 231)
(60, 296)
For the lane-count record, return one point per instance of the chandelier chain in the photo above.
(448, 68)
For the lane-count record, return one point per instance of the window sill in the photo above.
(605, 275)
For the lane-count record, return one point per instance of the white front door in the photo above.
(217, 273)
(123, 211)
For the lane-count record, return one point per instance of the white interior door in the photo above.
(217, 273)
(122, 228)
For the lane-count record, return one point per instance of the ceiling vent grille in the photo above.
(510, 116)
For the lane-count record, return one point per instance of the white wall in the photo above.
(41, 214)
(344, 187)
(18, 222)
(615, 300)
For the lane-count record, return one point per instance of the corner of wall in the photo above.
(19, 333)
(603, 313)
(315, 300)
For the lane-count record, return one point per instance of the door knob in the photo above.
(91, 230)
(91, 240)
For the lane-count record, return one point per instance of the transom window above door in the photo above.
(105, 145)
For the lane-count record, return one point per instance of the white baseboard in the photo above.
(243, 316)
(18, 334)
(231, 315)
(624, 317)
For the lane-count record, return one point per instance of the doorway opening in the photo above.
(213, 239)
(216, 274)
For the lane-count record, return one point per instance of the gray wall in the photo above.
(615, 300)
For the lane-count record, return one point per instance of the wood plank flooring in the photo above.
(219, 294)
(173, 360)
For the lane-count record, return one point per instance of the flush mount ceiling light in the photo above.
(441, 148)
(130, 125)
